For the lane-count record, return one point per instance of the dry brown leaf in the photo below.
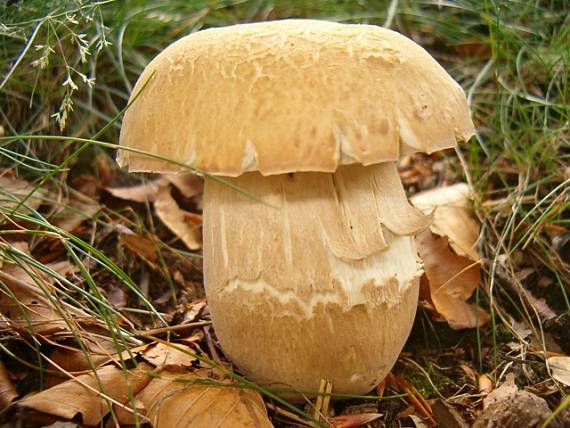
(451, 218)
(75, 360)
(140, 246)
(13, 191)
(125, 415)
(83, 395)
(175, 219)
(76, 212)
(507, 407)
(145, 192)
(560, 367)
(24, 305)
(353, 421)
(163, 356)
(507, 389)
(173, 400)
(189, 185)
(452, 280)
(7, 391)
(485, 385)
(446, 415)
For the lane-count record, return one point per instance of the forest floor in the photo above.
(103, 317)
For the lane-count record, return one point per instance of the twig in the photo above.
(169, 329)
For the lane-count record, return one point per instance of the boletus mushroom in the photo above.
(317, 276)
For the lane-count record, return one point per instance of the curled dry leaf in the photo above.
(90, 395)
(174, 400)
(560, 367)
(172, 357)
(452, 280)
(145, 192)
(353, 421)
(451, 262)
(7, 390)
(175, 219)
(451, 217)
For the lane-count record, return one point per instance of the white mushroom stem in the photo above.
(324, 286)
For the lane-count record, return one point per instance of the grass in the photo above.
(67, 72)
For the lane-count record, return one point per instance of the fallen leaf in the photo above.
(70, 216)
(452, 280)
(485, 385)
(469, 372)
(446, 415)
(75, 360)
(89, 395)
(507, 407)
(560, 367)
(126, 416)
(140, 246)
(451, 217)
(507, 389)
(171, 357)
(353, 421)
(173, 400)
(418, 422)
(145, 192)
(193, 219)
(175, 219)
(449, 252)
(7, 391)
(189, 185)
(13, 191)
(24, 305)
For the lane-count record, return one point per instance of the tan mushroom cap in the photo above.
(288, 96)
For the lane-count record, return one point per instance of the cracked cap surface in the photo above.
(288, 96)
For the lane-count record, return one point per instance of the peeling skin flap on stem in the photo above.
(325, 237)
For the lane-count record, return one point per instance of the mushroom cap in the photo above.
(292, 95)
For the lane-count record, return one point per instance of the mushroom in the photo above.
(316, 277)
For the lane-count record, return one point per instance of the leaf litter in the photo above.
(452, 269)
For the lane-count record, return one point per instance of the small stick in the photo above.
(319, 402)
(211, 346)
(169, 329)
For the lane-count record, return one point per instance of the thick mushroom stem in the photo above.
(319, 282)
